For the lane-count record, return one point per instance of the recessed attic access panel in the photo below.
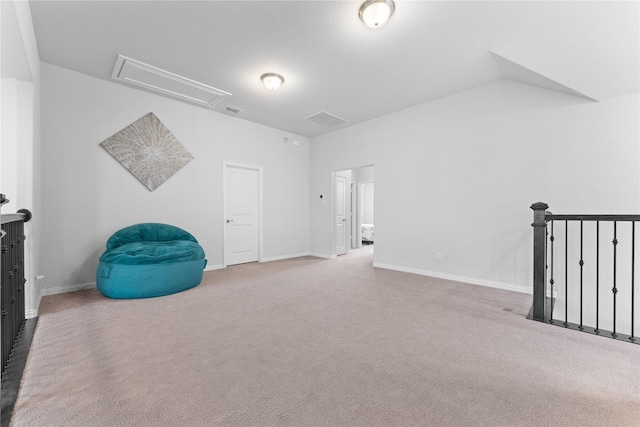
(137, 73)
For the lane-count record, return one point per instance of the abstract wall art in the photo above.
(148, 150)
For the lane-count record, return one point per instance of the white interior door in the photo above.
(341, 214)
(241, 205)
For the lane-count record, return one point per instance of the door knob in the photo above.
(229, 220)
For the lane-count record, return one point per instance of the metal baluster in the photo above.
(544, 263)
(633, 273)
(551, 282)
(581, 269)
(597, 330)
(614, 289)
(566, 272)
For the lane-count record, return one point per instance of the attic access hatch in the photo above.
(138, 73)
(326, 119)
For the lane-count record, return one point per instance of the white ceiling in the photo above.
(13, 63)
(332, 62)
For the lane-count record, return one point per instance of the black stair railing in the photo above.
(12, 302)
(577, 248)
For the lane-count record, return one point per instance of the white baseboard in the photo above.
(68, 288)
(31, 313)
(464, 279)
(281, 257)
(213, 267)
(325, 256)
(267, 259)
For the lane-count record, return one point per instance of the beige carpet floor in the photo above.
(314, 342)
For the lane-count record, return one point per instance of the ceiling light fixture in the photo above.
(272, 81)
(376, 13)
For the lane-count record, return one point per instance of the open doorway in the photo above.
(354, 224)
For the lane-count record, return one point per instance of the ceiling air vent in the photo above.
(137, 73)
(326, 119)
(232, 109)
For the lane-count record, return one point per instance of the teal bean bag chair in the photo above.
(149, 260)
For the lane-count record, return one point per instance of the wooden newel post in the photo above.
(539, 260)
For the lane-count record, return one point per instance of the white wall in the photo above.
(457, 175)
(363, 174)
(9, 145)
(17, 163)
(88, 195)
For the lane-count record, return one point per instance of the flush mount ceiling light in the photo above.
(272, 81)
(376, 13)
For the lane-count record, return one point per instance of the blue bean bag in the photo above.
(149, 260)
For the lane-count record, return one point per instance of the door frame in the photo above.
(332, 206)
(225, 166)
